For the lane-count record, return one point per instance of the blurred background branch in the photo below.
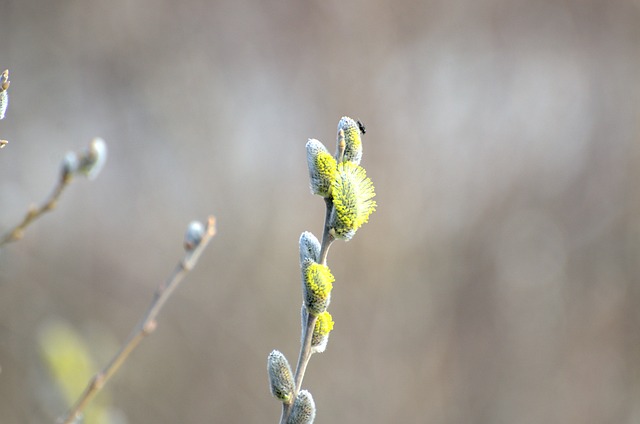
(89, 163)
(194, 246)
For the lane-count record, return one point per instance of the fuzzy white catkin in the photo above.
(304, 409)
(94, 159)
(4, 102)
(70, 164)
(352, 138)
(280, 376)
(193, 236)
(321, 168)
(309, 247)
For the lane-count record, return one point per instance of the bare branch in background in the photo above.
(196, 240)
(88, 163)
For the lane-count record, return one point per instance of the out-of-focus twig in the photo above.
(35, 212)
(88, 163)
(148, 322)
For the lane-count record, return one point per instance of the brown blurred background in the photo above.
(496, 283)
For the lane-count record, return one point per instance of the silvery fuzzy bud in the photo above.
(4, 96)
(280, 377)
(304, 409)
(70, 165)
(93, 159)
(4, 102)
(352, 138)
(193, 236)
(4, 80)
(309, 247)
(322, 168)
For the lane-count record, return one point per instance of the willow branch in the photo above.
(88, 163)
(309, 320)
(35, 212)
(144, 327)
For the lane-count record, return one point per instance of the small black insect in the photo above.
(362, 128)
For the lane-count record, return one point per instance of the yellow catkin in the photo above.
(353, 202)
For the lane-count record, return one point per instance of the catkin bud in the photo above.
(4, 96)
(4, 80)
(4, 102)
(317, 282)
(322, 168)
(353, 202)
(309, 247)
(70, 165)
(353, 139)
(280, 377)
(304, 409)
(92, 161)
(320, 338)
(193, 236)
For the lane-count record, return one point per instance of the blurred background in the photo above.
(496, 283)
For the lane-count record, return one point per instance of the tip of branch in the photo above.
(211, 226)
(196, 233)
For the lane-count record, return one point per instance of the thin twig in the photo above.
(145, 327)
(35, 212)
(87, 163)
(327, 238)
